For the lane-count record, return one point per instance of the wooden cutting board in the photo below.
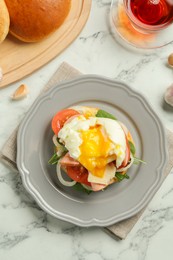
(19, 59)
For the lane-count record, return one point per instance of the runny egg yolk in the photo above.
(94, 150)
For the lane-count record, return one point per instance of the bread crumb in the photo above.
(20, 93)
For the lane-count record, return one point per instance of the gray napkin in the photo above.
(9, 151)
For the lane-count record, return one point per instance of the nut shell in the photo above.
(170, 60)
(169, 95)
(20, 92)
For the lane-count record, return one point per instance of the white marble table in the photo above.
(26, 232)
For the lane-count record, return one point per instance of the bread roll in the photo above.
(34, 20)
(4, 21)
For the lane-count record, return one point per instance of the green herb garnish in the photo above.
(121, 177)
(79, 187)
(133, 151)
(54, 159)
(137, 160)
(104, 114)
(132, 148)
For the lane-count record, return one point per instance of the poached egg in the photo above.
(95, 142)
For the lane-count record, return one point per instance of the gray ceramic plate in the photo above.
(119, 201)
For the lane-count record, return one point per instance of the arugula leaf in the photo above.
(54, 159)
(104, 114)
(79, 187)
(133, 151)
(132, 148)
(137, 160)
(121, 177)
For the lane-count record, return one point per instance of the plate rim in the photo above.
(25, 173)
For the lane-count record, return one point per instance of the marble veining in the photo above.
(26, 232)
(129, 74)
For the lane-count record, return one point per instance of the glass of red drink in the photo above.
(143, 23)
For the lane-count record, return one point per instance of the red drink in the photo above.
(151, 12)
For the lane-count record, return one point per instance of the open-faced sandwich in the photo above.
(92, 147)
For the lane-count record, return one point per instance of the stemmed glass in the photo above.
(143, 23)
